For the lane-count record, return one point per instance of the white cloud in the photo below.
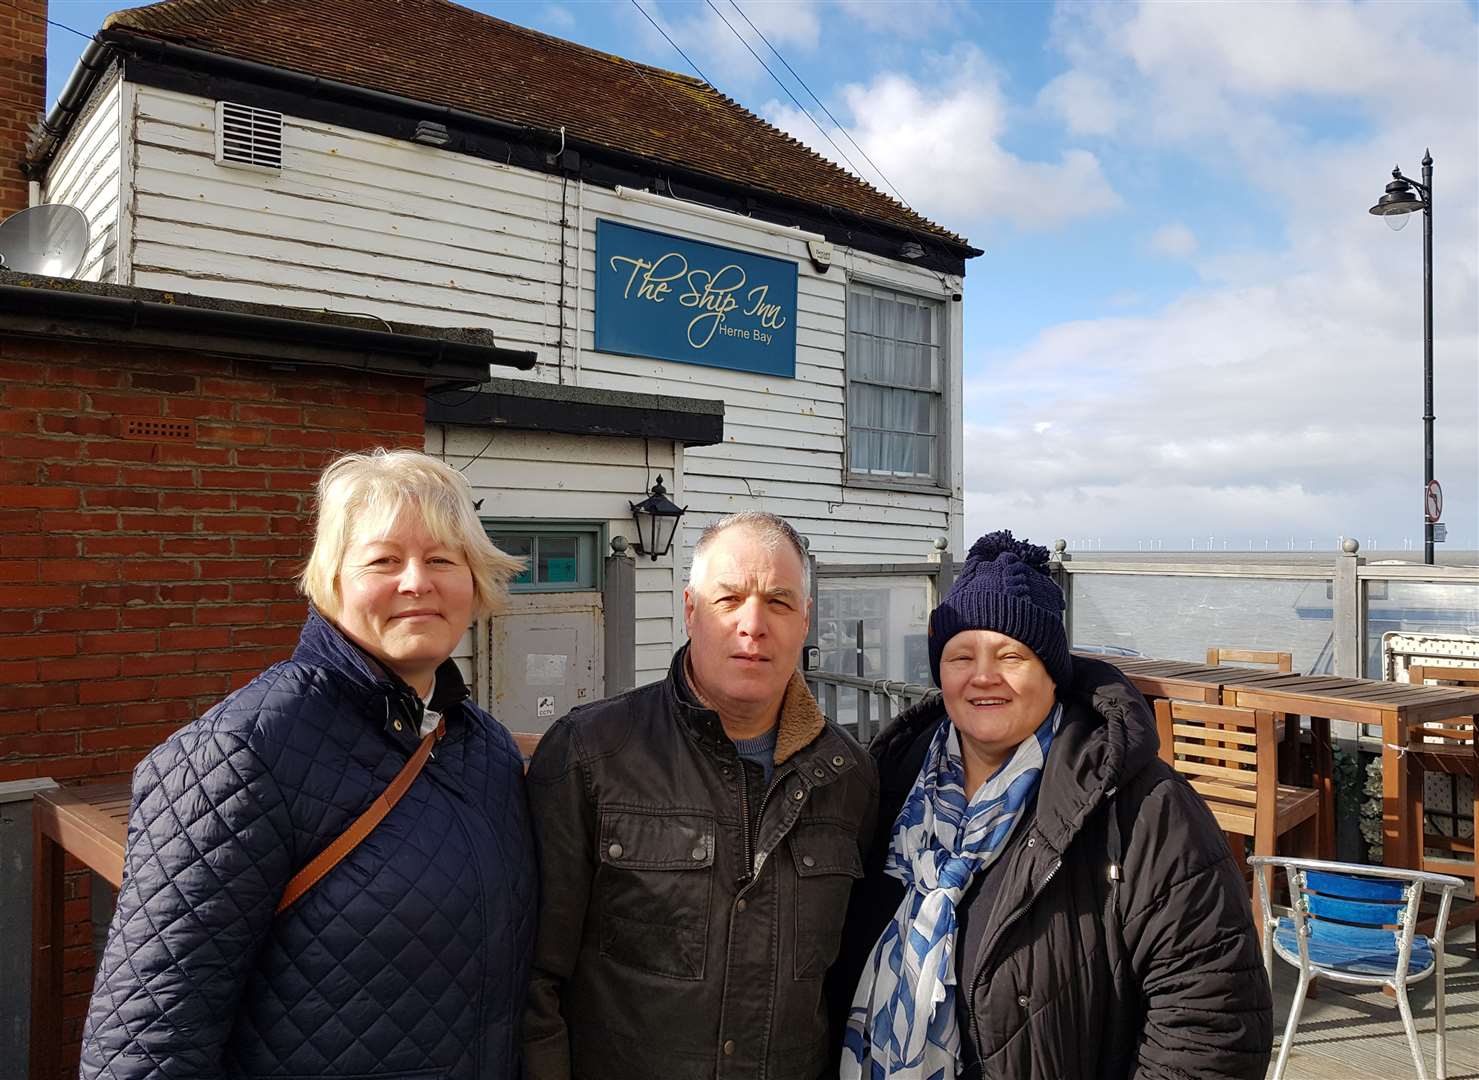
(941, 147)
(1085, 103)
(1209, 72)
(1294, 401)
(714, 42)
(1175, 241)
(558, 17)
(1284, 395)
(907, 18)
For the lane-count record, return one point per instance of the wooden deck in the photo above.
(1349, 1035)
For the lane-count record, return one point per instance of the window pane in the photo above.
(924, 455)
(557, 560)
(894, 365)
(520, 547)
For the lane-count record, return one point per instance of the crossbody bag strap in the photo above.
(362, 826)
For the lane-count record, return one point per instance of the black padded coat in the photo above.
(1149, 971)
(409, 958)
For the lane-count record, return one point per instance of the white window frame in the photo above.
(941, 481)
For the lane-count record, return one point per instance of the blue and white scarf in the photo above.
(902, 1024)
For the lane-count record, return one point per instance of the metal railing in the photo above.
(877, 700)
(863, 700)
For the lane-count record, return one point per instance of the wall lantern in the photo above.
(657, 522)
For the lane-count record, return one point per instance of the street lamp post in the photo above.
(1393, 208)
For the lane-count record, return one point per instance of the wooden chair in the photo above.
(1288, 733)
(1230, 757)
(1447, 749)
(1281, 661)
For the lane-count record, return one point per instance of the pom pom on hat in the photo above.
(1004, 585)
(993, 544)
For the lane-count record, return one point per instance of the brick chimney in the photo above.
(22, 92)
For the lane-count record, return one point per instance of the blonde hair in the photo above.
(366, 494)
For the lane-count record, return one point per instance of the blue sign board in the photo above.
(672, 299)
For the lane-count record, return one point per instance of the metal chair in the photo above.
(1356, 924)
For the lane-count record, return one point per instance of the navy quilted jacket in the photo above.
(410, 958)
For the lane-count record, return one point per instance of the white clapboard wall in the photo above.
(542, 476)
(87, 174)
(365, 224)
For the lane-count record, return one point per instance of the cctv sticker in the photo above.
(546, 706)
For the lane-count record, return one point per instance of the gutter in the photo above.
(183, 56)
(94, 60)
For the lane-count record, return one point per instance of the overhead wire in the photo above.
(856, 171)
(70, 30)
(656, 26)
(782, 85)
(845, 133)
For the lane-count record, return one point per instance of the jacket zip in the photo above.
(990, 955)
(746, 876)
(752, 867)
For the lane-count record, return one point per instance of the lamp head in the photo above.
(1399, 201)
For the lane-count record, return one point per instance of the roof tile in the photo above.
(448, 55)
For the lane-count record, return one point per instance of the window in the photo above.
(559, 557)
(895, 385)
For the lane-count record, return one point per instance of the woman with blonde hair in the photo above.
(331, 872)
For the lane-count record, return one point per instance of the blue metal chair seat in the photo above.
(1355, 949)
(1356, 924)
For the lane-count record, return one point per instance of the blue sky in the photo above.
(1185, 324)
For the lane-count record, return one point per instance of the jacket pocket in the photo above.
(653, 887)
(827, 863)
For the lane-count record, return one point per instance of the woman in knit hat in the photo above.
(1044, 898)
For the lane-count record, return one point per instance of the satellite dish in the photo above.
(50, 240)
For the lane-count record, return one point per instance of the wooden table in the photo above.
(1393, 707)
(91, 824)
(1190, 680)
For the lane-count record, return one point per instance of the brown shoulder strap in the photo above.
(361, 827)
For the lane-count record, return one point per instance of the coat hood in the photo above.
(1108, 735)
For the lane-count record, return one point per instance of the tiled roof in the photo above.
(448, 55)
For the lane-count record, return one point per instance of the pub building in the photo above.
(713, 306)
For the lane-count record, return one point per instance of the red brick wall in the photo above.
(22, 92)
(142, 581)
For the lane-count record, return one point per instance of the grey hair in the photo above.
(770, 529)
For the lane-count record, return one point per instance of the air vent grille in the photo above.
(248, 138)
(153, 429)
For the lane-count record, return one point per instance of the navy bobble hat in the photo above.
(1004, 586)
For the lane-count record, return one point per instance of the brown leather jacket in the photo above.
(690, 912)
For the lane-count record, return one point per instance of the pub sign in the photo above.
(667, 298)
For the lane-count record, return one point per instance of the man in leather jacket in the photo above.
(699, 838)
